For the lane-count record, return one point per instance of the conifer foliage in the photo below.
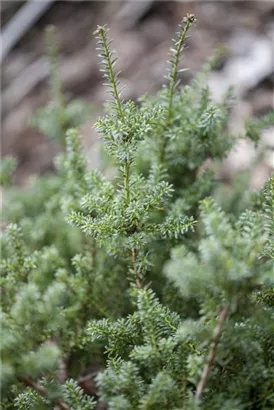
(142, 275)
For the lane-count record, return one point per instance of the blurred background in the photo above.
(141, 32)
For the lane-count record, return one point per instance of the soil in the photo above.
(141, 33)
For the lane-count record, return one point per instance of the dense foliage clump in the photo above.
(139, 291)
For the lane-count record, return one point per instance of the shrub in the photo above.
(142, 276)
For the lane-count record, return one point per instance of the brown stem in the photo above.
(42, 391)
(63, 371)
(85, 381)
(137, 276)
(212, 352)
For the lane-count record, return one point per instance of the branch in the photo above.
(175, 60)
(42, 391)
(108, 64)
(212, 352)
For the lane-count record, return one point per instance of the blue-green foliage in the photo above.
(155, 358)
(145, 359)
(143, 276)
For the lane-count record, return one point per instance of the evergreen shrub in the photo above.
(140, 291)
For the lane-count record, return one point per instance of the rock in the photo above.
(246, 69)
(132, 12)
(259, 176)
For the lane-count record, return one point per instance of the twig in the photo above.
(63, 371)
(42, 391)
(212, 352)
(87, 382)
(137, 276)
